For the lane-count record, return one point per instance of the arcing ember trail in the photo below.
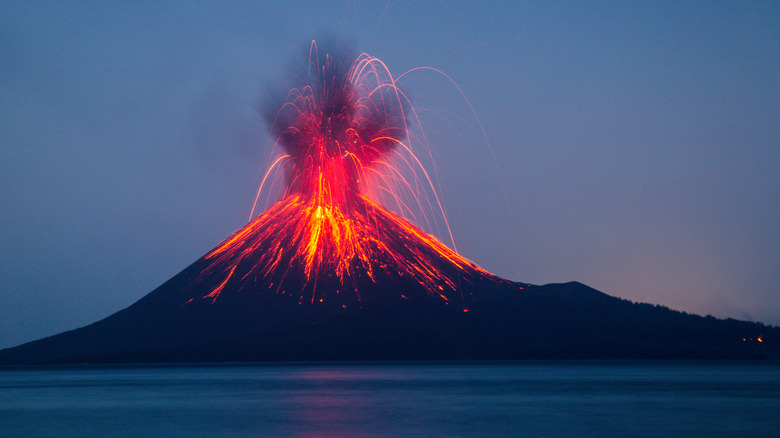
(327, 237)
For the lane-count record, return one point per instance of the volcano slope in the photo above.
(401, 295)
(329, 274)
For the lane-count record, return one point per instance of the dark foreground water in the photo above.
(566, 399)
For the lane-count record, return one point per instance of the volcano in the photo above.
(402, 296)
(328, 273)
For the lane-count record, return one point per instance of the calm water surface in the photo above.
(551, 399)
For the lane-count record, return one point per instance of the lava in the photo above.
(338, 128)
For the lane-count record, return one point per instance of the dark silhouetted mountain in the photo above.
(400, 295)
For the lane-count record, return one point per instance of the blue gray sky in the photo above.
(637, 143)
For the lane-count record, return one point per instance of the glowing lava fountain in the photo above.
(341, 127)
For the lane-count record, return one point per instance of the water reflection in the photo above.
(530, 399)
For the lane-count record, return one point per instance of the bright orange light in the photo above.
(339, 132)
(329, 241)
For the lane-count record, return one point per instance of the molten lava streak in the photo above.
(327, 238)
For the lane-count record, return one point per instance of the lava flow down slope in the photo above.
(328, 273)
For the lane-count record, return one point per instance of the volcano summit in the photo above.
(327, 273)
(326, 239)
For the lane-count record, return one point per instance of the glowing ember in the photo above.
(326, 237)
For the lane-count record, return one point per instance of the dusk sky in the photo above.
(634, 147)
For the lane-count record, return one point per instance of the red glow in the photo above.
(337, 131)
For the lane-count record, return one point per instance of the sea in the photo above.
(523, 399)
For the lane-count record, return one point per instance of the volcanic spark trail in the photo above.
(339, 127)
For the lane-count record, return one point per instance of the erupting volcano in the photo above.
(326, 239)
(328, 273)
